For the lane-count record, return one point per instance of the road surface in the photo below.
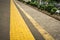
(4, 19)
(21, 22)
(51, 25)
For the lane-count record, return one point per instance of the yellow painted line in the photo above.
(44, 33)
(18, 28)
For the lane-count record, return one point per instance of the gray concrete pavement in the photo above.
(33, 30)
(50, 24)
(4, 19)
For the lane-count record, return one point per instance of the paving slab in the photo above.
(50, 24)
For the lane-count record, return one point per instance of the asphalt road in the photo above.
(4, 19)
(51, 25)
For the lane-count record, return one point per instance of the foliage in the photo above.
(33, 0)
(35, 3)
(42, 7)
(28, 2)
(53, 10)
(49, 7)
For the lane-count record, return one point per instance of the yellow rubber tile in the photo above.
(18, 28)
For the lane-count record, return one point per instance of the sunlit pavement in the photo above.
(18, 28)
(51, 25)
(21, 22)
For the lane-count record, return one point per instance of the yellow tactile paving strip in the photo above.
(18, 28)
